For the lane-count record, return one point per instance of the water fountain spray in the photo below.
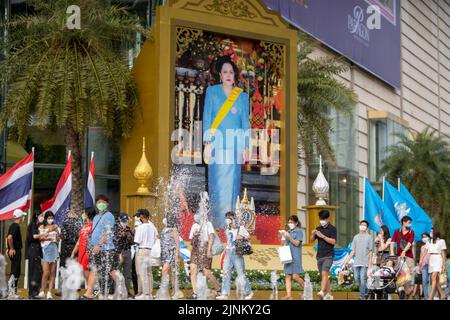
(274, 284)
(3, 285)
(72, 278)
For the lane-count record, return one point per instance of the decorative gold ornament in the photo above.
(184, 37)
(245, 211)
(143, 172)
(235, 8)
(276, 56)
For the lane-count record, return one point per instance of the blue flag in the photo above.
(403, 204)
(376, 212)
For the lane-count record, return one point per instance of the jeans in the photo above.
(232, 260)
(361, 280)
(425, 282)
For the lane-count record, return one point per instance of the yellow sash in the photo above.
(224, 109)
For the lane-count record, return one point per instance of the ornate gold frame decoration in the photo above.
(235, 8)
(277, 52)
(184, 37)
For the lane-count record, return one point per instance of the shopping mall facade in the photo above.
(421, 98)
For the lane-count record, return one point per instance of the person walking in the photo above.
(104, 251)
(202, 239)
(33, 252)
(145, 237)
(404, 238)
(234, 232)
(84, 251)
(361, 251)
(424, 261)
(382, 246)
(326, 235)
(436, 249)
(125, 241)
(14, 247)
(293, 238)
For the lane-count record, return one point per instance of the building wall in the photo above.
(424, 97)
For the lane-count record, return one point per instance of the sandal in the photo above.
(287, 298)
(83, 297)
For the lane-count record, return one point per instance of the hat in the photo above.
(18, 214)
(123, 217)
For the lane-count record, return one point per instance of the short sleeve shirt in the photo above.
(14, 231)
(408, 237)
(436, 248)
(145, 235)
(361, 246)
(103, 225)
(205, 231)
(324, 249)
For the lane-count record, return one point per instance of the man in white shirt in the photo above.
(145, 236)
(232, 260)
(202, 240)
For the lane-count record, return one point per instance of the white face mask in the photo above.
(425, 240)
(291, 226)
(323, 223)
(228, 222)
(362, 228)
(50, 221)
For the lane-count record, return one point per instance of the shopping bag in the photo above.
(155, 254)
(285, 255)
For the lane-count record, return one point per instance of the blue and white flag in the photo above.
(403, 204)
(376, 212)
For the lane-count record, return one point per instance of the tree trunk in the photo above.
(73, 143)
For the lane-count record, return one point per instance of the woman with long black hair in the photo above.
(33, 252)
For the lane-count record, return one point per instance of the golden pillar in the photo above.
(142, 198)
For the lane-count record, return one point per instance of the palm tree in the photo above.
(319, 91)
(423, 165)
(69, 78)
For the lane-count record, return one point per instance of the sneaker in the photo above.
(49, 296)
(193, 296)
(249, 296)
(321, 295)
(328, 297)
(222, 297)
(41, 295)
(178, 295)
(110, 297)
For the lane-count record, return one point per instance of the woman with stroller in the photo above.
(436, 249)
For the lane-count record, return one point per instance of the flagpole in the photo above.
(398, 184)
(364, 199)
(382, 196)
(59, 247)
(25, 283)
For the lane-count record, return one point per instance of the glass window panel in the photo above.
(110, 188)
(107, 152)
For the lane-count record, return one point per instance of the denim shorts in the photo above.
(50, 253)
(324, 264)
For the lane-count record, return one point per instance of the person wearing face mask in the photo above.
(234, 232)
(293, 238)
(361, 251)
(404, 239)
(84, 253)
(104, 250)
(436, 248)
(33, 252)
(145, 237)
(202, 240)
(124, 242)
(423, 265)
(326, 235)
(50, 254)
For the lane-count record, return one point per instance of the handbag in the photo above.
(243, 246)
(155, 254)
(443, 280)
(285, 255)
(217, 247)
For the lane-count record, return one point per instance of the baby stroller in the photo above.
(382, 280)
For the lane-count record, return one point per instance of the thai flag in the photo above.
(15, 188)
(60, 203)
(89, 191)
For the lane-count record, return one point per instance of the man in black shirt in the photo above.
(326, 239)
(14, 245)
(125, 239)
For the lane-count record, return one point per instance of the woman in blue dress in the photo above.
(294, 238)
(226, 147)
